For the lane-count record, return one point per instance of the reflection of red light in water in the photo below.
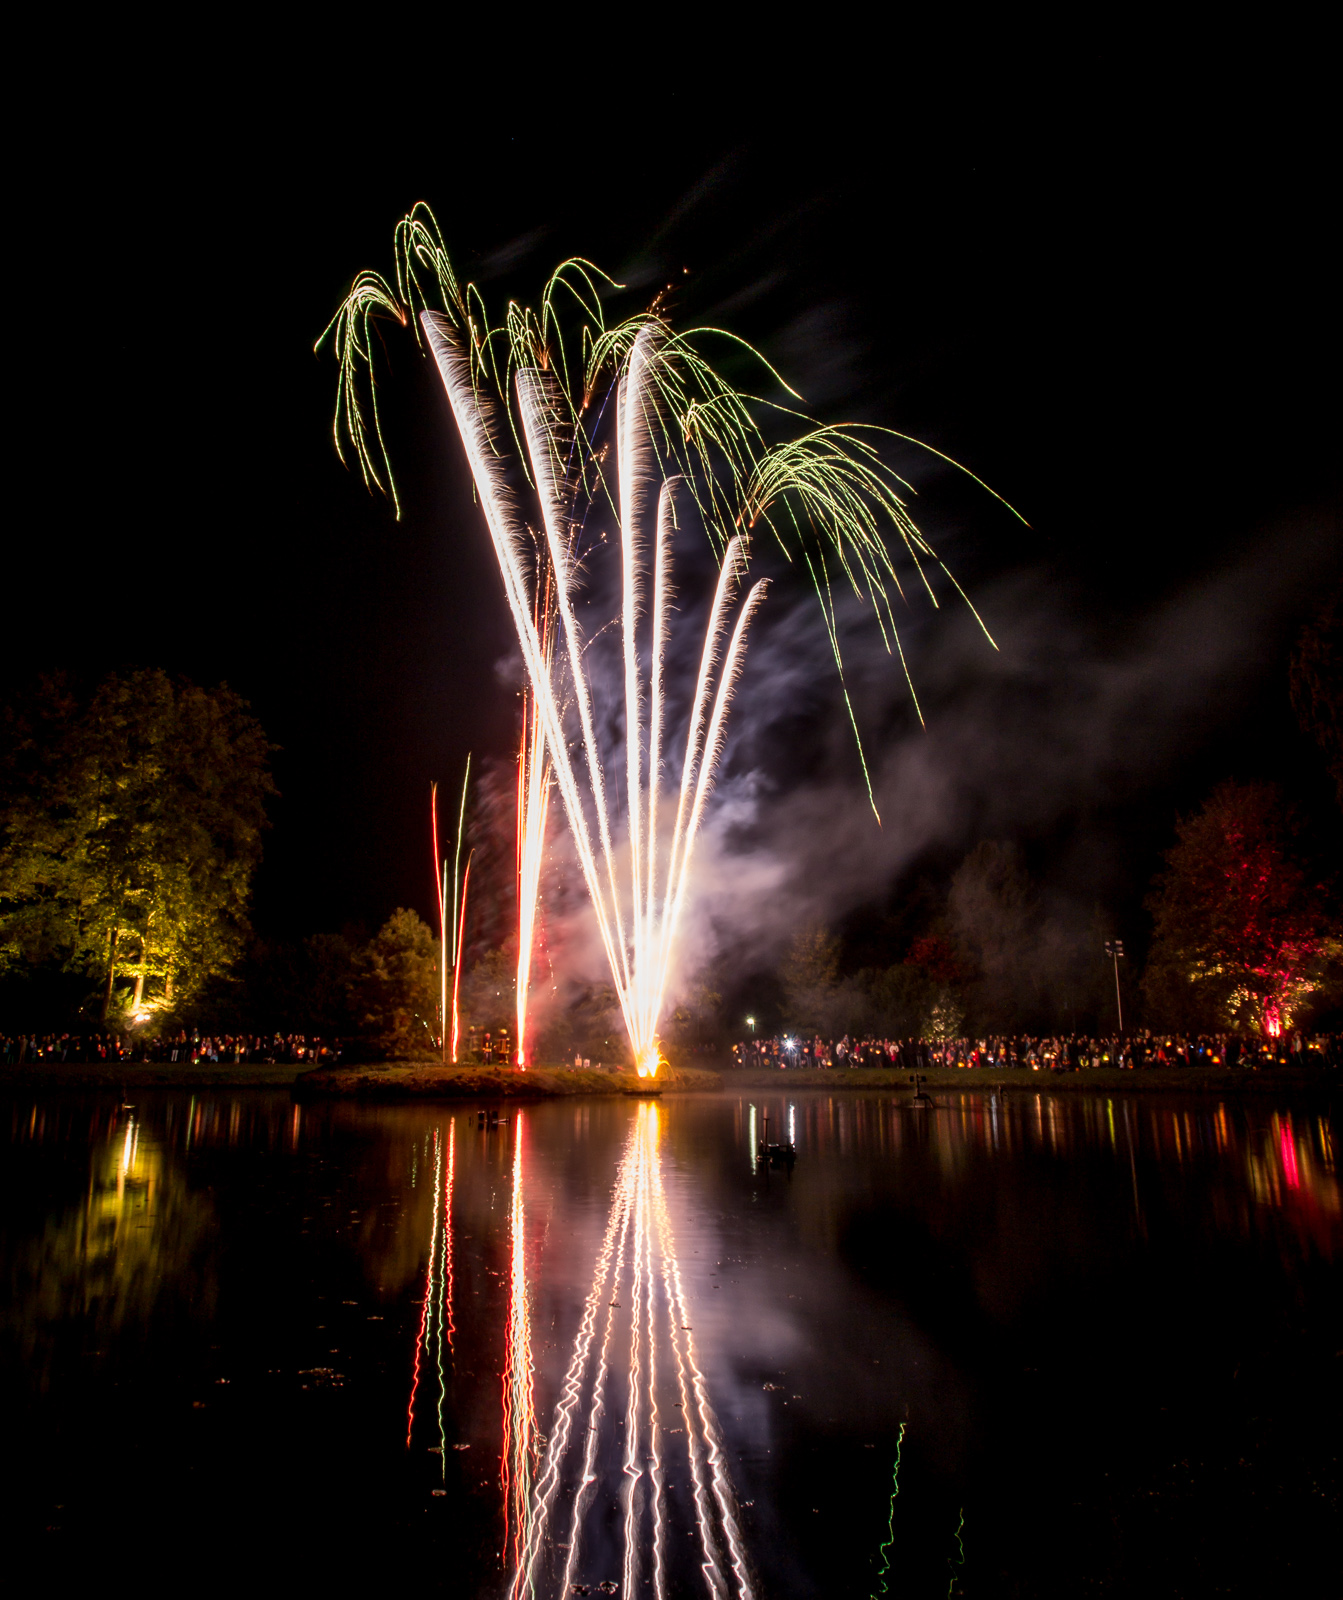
(436, 1319)
(519, 1419)
(424, 1304)
(1288, 1147)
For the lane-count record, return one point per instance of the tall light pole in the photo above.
(750, 1023)
(1114, 948)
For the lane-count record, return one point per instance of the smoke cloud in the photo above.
(1052, 734)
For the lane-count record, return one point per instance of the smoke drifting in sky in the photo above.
(1052, 738)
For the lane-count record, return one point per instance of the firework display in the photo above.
(451, 919)
(556, 465)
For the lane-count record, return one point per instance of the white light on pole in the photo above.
(1114, 948)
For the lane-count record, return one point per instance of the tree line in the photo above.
(131, 826)
(1246, 932)
(1245, 937)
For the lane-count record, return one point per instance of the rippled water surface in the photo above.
(1023, 1345)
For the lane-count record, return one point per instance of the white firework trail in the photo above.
(821, 492)
(637, 918)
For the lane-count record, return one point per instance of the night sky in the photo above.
(1116, 304)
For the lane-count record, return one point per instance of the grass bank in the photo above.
(1016, 1080)
(410, 1081)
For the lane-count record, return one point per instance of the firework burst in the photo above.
(530, 399)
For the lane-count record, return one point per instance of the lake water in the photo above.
(1054, 1345)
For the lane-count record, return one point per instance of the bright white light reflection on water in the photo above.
(584, 1345)
(648, 1326)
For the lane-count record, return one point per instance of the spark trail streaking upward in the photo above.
(680, 446)
(533, 810)
(450, 922)
(637, 927)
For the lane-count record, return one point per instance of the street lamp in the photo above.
(750, 1023)
(1114, 948)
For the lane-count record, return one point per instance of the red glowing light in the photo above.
(424, 1309)
(1289, 1168)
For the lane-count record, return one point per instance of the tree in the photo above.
(696, 1018)
(488, 995)
(1241, 936)
(1317, 684)
(994, 922)
(397, 986)
(290, 985)
(936, 982)
(129, 833)
(812, 994)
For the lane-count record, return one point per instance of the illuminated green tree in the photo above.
(397, 986)
(129, 832)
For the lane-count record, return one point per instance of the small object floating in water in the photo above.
(461, 1447)
(776, 1155)
(438, 1491)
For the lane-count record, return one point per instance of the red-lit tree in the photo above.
(1241, 935)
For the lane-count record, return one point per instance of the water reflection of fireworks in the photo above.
(437, 1327)
(636, 1310)
(517, 1460)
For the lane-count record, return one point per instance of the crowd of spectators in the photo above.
(187, 1048)
(1045, 1053)
(1055, 1053)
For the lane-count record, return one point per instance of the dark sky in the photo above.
(1115, 302)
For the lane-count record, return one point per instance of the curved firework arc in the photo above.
(507, 535)
(541, 380)
(636, 923)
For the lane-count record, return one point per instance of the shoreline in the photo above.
(427, 1081)
(402, 1081)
